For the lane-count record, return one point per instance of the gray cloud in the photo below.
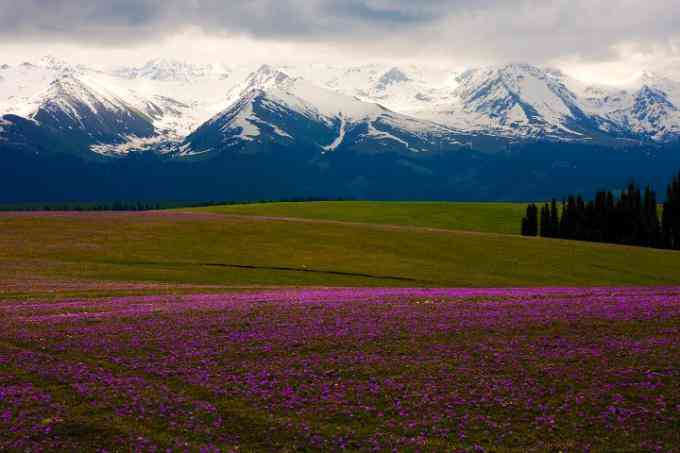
(528, 30)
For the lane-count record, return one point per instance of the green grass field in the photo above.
(194, 248)
(484, 217)
(502, 218)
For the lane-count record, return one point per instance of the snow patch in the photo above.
(279, 131)
(132, 144)
(244, 121)
(340, 138)
(381, 135)
(186, 151)
(3, 124)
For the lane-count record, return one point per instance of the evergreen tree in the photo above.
(666, 240)
(545, 221)
(651, 219)
(533, 220)
(564, 219)
(554, 220)
(631, 218)
(600, 214)
(580, 219)
(530, 221)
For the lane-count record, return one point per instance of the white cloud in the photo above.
(598, 38)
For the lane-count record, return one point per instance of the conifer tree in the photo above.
(545, 221)
(554, 220)
(666, 226)
(532, 217)
(530, 221)
(563, 219)
(630, 218)
(651, 219)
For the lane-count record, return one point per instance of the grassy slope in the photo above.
(484, 217)
(203, 249)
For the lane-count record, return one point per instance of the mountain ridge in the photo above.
(276, 107)
(509, 132)
(515, 101)
(170, 101)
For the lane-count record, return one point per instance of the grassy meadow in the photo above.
(312, 245)
(483, 217)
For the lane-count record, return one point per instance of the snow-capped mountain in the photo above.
(517, 101)
(273, 107)
(183, 109)
(118, 113)
(65, 101)
(648, 112)
(405, 89)
(171, 130)
(70, 104)
(177, 96)
(19, 85)
(514, 100)
(55, 64)
(164, 70)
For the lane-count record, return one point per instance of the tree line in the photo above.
(632, 218)
(148, 206)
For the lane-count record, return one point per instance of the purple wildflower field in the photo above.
(345, 369)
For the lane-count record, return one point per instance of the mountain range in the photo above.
(320, 130)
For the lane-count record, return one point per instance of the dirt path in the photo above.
(180, 214)
(382, 226)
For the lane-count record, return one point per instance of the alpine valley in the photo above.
(175, 131)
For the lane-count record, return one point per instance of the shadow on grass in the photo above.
(267, 268)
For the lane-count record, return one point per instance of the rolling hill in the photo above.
(481, 217)
(183, 249)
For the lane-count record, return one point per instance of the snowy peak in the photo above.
(163, 70)
(169, 100)
(405, 89)
(267, 77)
(648, 112)
(516, 100)
(651, 115)
(654, 113)
(273, 107)
(652, 79)
(53, 63)
(277, 110)
(71, 96)
(392, 77)
(669, 87)
(302, 96)
(516, 92)
(263, 79)
(652, 97)
(88, 114)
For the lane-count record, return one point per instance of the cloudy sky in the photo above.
(599, 40)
